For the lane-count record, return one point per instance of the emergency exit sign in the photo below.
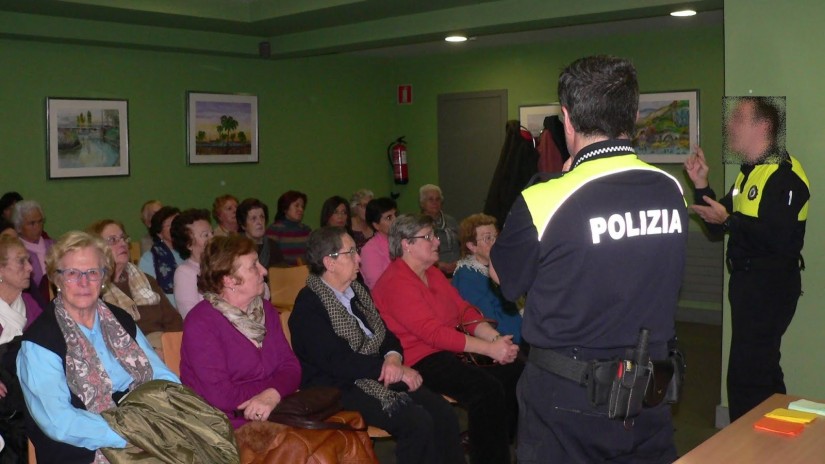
(405, 94)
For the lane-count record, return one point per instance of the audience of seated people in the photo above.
(161, 260)
(472, 275)
(392, 369)
(287, 229)
(191, 231)
(375, 254)
(361, 230)
(224, 210)
(341, 341)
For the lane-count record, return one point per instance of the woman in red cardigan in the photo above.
(422, 309)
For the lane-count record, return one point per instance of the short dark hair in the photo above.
(245, 207)
(377, 207)
(220, 259)
(329, 207)
(289, 197)
(323, 242)
(8, 199)
(181, 235)
(157, 219)
(601, 94)
(765, 110)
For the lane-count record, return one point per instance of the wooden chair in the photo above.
(284, 285)
(134, 252)
(171, 342)
(32, 456)
(373, 432)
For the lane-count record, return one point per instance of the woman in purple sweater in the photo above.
(234, 353)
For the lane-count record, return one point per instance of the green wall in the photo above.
(666, 60)
(768, 52)
(320, 128)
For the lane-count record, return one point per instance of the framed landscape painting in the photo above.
(222, 128)
(668, 126)
(87, 138)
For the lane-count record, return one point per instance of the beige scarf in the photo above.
(250, 322)
(139, 287)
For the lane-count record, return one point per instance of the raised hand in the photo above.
(697, 168)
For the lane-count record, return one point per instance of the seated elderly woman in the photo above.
(445, 226)
(287, 229)
(191, 231)
(17, 312)
(420, 306)
(224, 210)
(361, 230)
(341, 341)
(80, 355)
(161, 260)
(472, 275)
(146, 212)
(134, 291)
(234, 353)
(375, 255)
(252, 216)
(28, 220)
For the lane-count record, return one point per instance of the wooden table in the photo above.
(740, 442)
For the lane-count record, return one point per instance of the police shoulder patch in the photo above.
(753, 192)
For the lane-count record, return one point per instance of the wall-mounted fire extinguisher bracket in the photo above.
(397, 157)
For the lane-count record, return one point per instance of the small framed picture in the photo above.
(222, 128)
(532, 117)
(668, 126)
(87, 138)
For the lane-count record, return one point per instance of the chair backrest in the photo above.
(134, 252)
(285, 325)
(285, 283)
(171, 350)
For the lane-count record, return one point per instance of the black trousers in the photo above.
(426, 430)
(557, 424)
(763, 303)
(488, 394)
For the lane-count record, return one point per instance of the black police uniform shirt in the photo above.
(599, 252)
(768, 203)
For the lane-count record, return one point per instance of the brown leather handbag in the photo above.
(308, 409)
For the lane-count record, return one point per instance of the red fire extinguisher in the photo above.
(397, 156)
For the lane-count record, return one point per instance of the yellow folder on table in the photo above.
(787, 415)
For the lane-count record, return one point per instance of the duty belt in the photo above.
(766, 263)
(564, 366)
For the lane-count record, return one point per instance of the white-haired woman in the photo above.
(28, 220)
(361, 230)
(445, 227)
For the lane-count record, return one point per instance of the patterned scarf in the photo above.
(85, 374)
(165, 265)
(139, 287)
(346, 326)
(251, 323)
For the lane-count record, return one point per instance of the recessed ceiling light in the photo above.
(683, 13)
(456, 38)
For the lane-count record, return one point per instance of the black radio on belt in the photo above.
(627, 391)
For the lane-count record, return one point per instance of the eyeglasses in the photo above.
(74, 275)
(352, 252)
(427, 237)
(488, 239)
(114, 239)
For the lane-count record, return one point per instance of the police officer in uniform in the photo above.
(764, 214)
(600, 253)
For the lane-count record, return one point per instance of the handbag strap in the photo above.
(462, 326)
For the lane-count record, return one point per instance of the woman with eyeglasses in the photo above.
(28, 219)
(81, 355)
(477, 234)
(191, 231)
(423, 310)
(341, 341)
(134, 291)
